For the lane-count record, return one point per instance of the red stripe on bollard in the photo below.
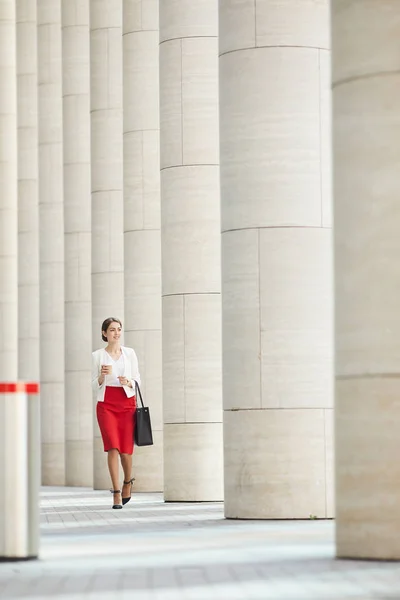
(32, 388)
(18, 387)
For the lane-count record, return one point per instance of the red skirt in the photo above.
(116, 417)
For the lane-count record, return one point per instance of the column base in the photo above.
(278, 464)
(193, 462)
(53, 464)
(101, 475)
(79, 463)
(148, 466)
(367, 468)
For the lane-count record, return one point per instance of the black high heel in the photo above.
(116, 492)
(126, 500)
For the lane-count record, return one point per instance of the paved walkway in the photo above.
(156, 551)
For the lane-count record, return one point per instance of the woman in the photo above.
(114, 372)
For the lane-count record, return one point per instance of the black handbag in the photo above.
(143, 432)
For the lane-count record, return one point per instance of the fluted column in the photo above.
(107, 182)
(28, 207)
(190, 215)
(366, 121)
(51, 227)
(77, 214)
(142, 221)
(276, 258)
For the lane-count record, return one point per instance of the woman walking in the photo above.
(114, 372)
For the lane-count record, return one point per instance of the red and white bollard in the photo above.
(19, 470)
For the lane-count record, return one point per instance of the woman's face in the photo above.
(113, 332)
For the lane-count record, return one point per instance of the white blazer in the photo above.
(131, 372)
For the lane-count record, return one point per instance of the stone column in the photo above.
(366, 81)
(77, 215)
(107, 182)
(8, 193)
(28, 207)
(51, 228)
(276, 258)
(142, 221)
(190, 214)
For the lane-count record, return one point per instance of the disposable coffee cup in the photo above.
(109, 369)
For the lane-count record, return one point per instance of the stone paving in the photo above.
(156, 551)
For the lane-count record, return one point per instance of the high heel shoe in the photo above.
(116, 492)
(126, 500)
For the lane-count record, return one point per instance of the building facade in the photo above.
(168, 162)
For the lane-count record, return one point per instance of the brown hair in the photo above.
(106, 325)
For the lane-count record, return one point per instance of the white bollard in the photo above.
(34, 468)
(19, 470)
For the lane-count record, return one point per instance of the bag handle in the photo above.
(137, 389)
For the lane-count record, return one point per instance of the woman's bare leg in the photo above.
(113, 467)
(126, 462)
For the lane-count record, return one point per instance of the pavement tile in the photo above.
(151, 550)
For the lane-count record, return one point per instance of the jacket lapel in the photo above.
(127, 364)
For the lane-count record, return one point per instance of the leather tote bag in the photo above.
(143, 432)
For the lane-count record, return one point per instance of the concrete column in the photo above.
(28, 277)
(77, 216)
(28, 207)
(51, 228)
(190, 250)
(276, 258)
(8, 193)
(107, 182)
(366, 79)
(142, 221)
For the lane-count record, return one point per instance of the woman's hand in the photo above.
(125, 381)
(104, 370)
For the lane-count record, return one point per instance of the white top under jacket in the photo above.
(118, 370)
(131, 367)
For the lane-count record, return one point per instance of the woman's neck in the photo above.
(113, 348)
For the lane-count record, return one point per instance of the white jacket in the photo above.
(99, 357)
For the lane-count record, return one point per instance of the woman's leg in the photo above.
(126, 462)
(113, 467)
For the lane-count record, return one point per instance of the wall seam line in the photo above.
(326, 465)
(181, 102)
(191, 165)
(191, 294)
(276, 227)
(255, 23)
(184, 354)
(272, 46)
(135, 31)
(189, 37)
(259, 317)
(366, 76)
(367, 376)
(320, 137)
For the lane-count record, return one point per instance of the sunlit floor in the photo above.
(156, 551)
